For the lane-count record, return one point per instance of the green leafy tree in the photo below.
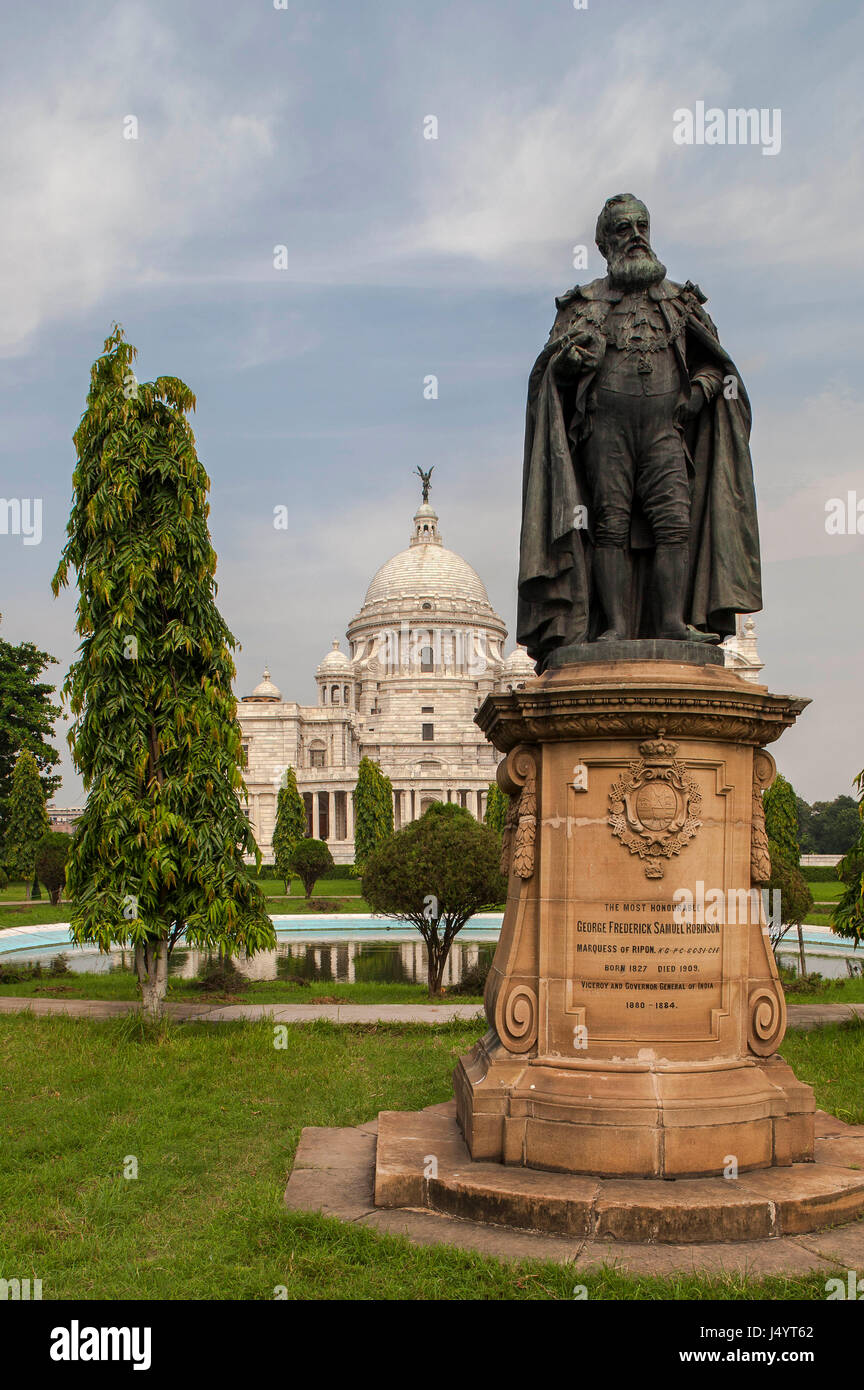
(159, 851)
(781, 822)
(436, 873)
(835, 825)
(806, 837)
(52, 853)
(847, 918)
(373, 811)
(310, 860)
(781, 819)
(28, 819)
(26, 719)
(290, 824)
(496, 808)
(793, 894)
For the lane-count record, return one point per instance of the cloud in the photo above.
(813, 451)
(86, 211)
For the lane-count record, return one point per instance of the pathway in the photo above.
(804, 1016)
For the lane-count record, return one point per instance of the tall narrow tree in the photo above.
(26, 718)
(496, 808)
(159, 850)
(27, 821)
(290, 825)
(373, 810)
(781, 818)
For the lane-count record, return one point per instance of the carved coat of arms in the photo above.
(654, 805)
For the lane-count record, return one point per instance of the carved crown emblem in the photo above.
(658, 749)
(654, 805)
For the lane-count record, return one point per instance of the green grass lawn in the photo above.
(826, 892)
(212, 1116)
(122, 984)
(330, 895)
(42, 913)
(824, 895)
(37, 914)
(324, 888)
(831, 1060)
(317, 905)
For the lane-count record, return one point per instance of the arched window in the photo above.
(427, 659)
(317, 755)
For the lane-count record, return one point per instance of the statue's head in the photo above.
(623, 240)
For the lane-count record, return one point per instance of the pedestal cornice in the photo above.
(607, 699)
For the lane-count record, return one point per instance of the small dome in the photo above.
(518, 663)
(334, 661)
(266, 690)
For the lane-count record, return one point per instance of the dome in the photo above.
(334, 662)
(518, 663)
(426, 571)
(266, 690)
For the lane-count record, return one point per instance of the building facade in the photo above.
(424, 651)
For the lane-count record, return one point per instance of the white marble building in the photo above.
(740, 651)
(423, 652)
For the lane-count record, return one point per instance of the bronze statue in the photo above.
(638, 505)
(424, 478)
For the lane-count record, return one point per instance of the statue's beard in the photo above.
(635, 272)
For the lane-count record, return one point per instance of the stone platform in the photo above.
(334, 1174)
(422, 1161)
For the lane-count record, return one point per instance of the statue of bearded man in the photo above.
(638, 505)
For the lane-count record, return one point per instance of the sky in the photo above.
(305, 128)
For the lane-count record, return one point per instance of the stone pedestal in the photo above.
(634, 1006)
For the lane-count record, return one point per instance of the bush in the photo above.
(474, 979)
(819, 873)
(17, 973)
(310, 860)
(4, 879)
(794, 983)
(337, 871)
(220, 976)
(436, 873)
(52, 852)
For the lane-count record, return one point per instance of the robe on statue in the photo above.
(556, 603)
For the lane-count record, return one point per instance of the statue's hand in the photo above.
(583, 354)
(690, 408)
(571, 361)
